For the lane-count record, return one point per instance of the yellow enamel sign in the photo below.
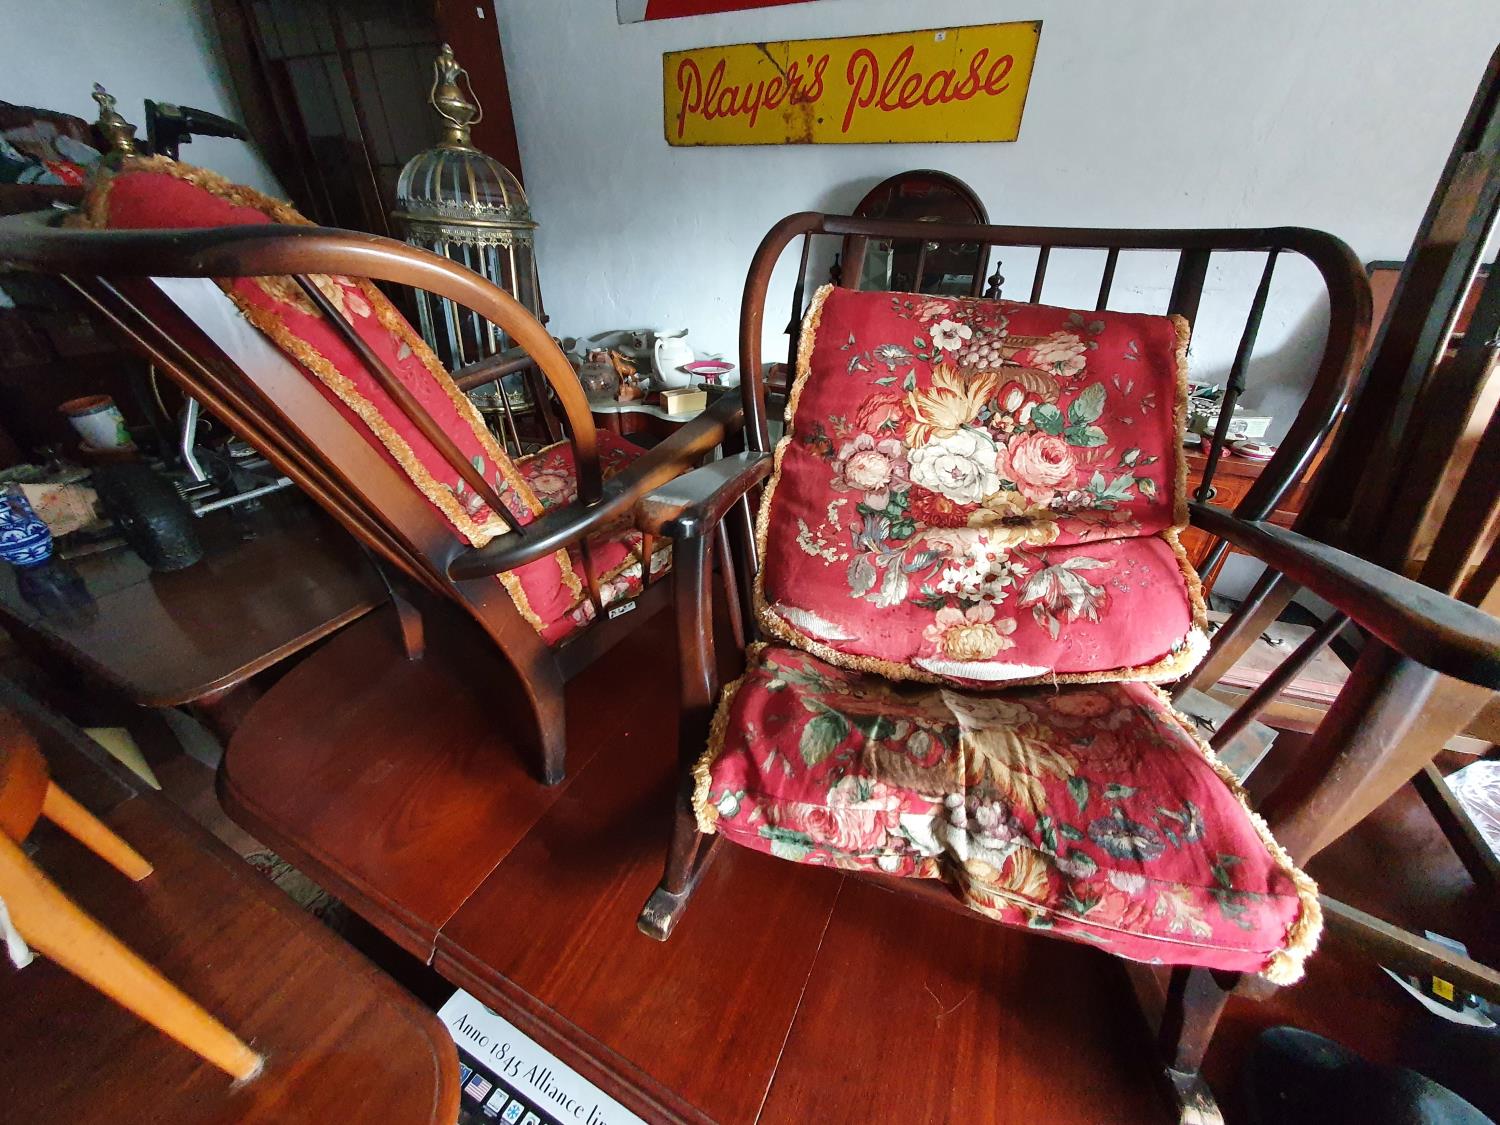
(946, 84)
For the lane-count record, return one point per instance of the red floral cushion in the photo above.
(1089, 811)
(615, 554)
(157, 193)
(981, 491)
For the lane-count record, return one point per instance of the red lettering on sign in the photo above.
(872, 85)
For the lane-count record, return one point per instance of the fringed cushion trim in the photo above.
(394, 322)
(513, 587)
(705, 813)
(96, 202)
(1285, 965)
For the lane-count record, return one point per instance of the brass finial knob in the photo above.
(116, 130)
(457, 111)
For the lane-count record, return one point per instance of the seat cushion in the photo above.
(151, 193)
(982, 491)
(615, 553)
(1089, 811)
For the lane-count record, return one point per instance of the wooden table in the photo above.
(342, 1041)
(626, 418)
(191, 637)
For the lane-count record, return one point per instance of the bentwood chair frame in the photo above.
(1417, 635)
(1411, 475)
(299, 431)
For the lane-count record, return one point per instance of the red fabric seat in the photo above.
(1090, 811)
(615, 554)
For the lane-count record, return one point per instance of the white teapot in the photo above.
(670, 352)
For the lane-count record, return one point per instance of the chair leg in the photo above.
(413, 632)
(548, 704)
(50, 922)
(89, 831)
(1194, 1001)
(688, 856)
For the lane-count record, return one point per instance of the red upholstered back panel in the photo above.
(156, 193)
(983, 492)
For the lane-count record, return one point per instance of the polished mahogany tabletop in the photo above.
(272, 580)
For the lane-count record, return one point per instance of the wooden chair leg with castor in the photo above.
(687, 858)
(51, 923)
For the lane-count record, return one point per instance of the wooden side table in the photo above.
(194, 636)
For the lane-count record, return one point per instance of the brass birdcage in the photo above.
(456, 201)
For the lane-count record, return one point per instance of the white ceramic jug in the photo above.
(671, 351)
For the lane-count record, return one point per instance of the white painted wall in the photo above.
(1334, 114)
(161, 49)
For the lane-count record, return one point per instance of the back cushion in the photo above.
(983, 491)
(155, 193)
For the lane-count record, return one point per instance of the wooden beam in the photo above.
(1402, 951)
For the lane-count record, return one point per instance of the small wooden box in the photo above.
(684, 400)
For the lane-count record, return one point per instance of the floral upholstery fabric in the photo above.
(158, 193)
(978, 491)
(1087, 811)
(615, 553)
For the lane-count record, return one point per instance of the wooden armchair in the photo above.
(1071, 799)
(333, 386)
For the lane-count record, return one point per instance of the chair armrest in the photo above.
(695, 502)
(1417, 621)
(563, 526)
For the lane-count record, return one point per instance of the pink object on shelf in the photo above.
(709, 370)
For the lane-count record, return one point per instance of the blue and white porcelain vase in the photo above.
(24, 538)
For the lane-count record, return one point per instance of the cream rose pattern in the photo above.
(976, 447)
(960, 466)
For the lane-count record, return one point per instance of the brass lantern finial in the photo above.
(457, 111)
(116, 130)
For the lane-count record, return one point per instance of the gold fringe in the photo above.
(706, 814)
(769, 621)
(1179, 483)
(512, 583)
(96, 207)
(1285, 965)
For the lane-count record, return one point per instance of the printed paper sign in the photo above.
(517, 1080)
(946, 84)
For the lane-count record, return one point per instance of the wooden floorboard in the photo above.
(787, 993)
(920, 1014)
(705, 1014)
(397, 782)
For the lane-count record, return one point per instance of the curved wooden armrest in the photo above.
(695, 502)
(672, 458)
(1415, 620)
